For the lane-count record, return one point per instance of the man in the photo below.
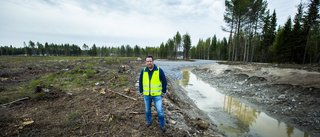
(153, 86)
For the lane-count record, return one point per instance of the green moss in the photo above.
(89, 72)
(33, 84)
(123, 81)
(91, 64)
(109, 62)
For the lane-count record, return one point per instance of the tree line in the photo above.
(253, 37)
(170, 50)
(52, 49)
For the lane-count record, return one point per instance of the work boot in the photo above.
(148, 124)
(163, 128)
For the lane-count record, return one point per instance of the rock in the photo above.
(173, 122)
(282, 97)
(203, 125)
(293, 100)
(68, 93)
(100, 83)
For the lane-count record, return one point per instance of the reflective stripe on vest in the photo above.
(152, 87)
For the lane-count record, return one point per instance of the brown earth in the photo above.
(289, 94)
(93, 107)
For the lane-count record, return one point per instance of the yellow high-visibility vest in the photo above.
(152, 87)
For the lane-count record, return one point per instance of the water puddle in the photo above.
(242, 119)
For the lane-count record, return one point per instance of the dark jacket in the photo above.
(162, 78)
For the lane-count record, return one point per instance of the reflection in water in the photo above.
(289, 130)
(251, 121)
(185, 78)
(241, 111)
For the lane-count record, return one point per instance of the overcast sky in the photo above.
(117, 22)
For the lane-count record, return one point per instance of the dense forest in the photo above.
(254, 37)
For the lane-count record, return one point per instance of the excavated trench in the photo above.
(233, 117)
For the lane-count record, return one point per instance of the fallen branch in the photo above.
(123, 95)
(132, 112)
(18, 100)
(100, 132)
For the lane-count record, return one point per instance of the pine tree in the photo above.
(297, 47)
(310, 20)
(186, 45)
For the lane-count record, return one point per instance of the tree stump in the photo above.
(37, 89)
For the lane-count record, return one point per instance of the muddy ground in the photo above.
(84, 96)
(291, 95)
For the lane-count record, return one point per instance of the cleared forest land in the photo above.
(86, 96)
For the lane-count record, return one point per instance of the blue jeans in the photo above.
(158, 104)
